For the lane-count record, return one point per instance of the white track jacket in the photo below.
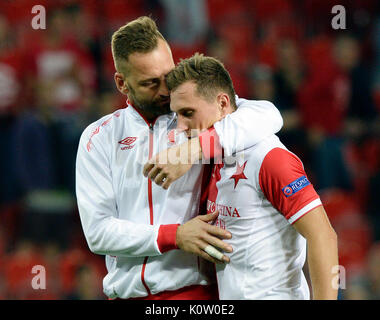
(131, 220)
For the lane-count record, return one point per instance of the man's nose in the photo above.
(181, 124)
(163, 91)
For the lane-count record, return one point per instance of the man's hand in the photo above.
(196, 234)
(171, 164)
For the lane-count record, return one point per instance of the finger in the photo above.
(153, 173)
(148, 166)
(218, 232)
(160, 178)
(204, 254)
(217, 243)
(207, 257)
(209, 217)
(167, 183)
(215, 253)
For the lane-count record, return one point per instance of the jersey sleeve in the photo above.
(251, 123)
(104, 232)
(283, 181)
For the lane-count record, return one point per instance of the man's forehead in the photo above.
(185, 96)
(154, 64)
(141, 71)
(186, 89)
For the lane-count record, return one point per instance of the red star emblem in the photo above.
(239, 174)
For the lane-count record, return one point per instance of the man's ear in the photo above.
(121, 84)
(224, 103)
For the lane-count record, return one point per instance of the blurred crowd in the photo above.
(54, 82)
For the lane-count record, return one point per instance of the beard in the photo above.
(153, 108)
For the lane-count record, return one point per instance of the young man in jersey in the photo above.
(263, 196)
(126, 217)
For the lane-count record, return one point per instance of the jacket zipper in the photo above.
(150, 198)
(150, 201)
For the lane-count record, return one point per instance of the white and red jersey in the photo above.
(259, 194)
(133, 221)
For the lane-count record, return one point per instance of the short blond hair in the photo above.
(140, 35)
(208, 73)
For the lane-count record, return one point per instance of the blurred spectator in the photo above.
(43, 139)
(74, 264)
(87, 286)
(10, 69)
(376, 42)
(288, 78)
(373, 271)
(265, 84)
(117, 12)
(262, 85)
(352, 227)
(361, 109)
(231, 39)
(366, 286)
(357, 289)
(223, 50)
(324, 97)
(108, 103)
(362, 156)
(289, 75)
(52, 255)
(44, 179)
(34, 154)
(266, 11)
(186, 22)
(65, 84)
(374, 204)
(18, 270)
(10, 97)
(219, 10)
(8, 186)
(3, 245)
(327, 97)
(63, 65)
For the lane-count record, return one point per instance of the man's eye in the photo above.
(149, 84)
(187, 114)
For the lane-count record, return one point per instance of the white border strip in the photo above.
(305, 209)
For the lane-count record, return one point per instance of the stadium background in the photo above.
(54, 82)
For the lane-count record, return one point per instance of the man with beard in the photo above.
(125, 216)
